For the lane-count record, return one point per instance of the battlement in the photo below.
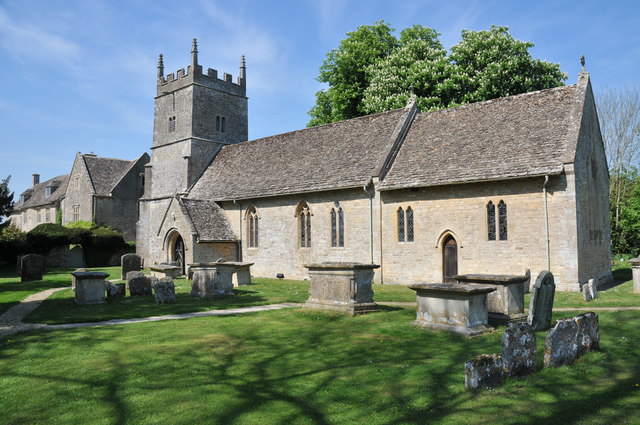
(195, 75)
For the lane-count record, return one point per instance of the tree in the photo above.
(6, 202)
(418, 66)
(491, 64)
(345, 70)
(372, 71)
(619, 117)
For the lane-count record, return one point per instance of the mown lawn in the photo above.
(303, 367)
(12, 291)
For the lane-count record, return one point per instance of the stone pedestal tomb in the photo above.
(341, 286)
(453, 307)
(506, 303)
(243, 273)
(89, 287)
(165, 270)
(212, 279)
(635, 266)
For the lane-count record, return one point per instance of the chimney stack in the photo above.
(36, 179)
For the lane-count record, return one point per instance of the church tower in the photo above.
(195, 115)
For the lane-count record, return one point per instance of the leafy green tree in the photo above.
(491, 64)
(372, 71)
(345, 70)
(418, 66)
(6, 202)
(625, 229)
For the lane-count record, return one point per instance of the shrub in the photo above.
(13, 242)
(80, 225)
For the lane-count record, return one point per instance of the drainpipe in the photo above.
(546, 221)
(239, 249)
(370, 219)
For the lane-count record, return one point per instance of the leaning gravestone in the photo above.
(541, 303)
(588, 332)
(519, 349)
(561, 345)
(484, 371)
(130, 263)
(164, 291)
(590, 290)
(31, 267)
(138, 284)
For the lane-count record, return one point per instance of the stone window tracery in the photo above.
(400, 214)
(304, 221)
(172, 124)
(337, 227)
(409, 224)
(491, 221)
(502, 220)
(252, 218)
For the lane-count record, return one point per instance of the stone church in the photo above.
(493, 187)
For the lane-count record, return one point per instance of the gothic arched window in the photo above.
(400, 214)
(337, 227)
(491, 221)
(304, 225)
(252, 227)
(409, 224)
(502, 220)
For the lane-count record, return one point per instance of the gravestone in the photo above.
(76, 257)
(130, 263)
(590, 290)
(115, 290)
(588, 332)
(635, 267)
(541, 303)
(561, 345)
(519, 349)
(484, 371)
(31, 267)
(164, 291)
(138, 284)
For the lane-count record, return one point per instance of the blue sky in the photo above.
(79, 75)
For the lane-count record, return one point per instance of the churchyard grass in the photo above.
(12, 291)
(304, 367)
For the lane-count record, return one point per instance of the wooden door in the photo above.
(178, 253)
(449, 259)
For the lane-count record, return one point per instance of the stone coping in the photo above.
(221, 263)
(635, 262)
(90, 275)
(496, 279)
(452, 288)
(339, 265)
(162, 267)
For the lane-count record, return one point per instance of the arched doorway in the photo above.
(177, 252)
(449, 259)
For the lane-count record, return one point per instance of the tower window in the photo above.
(220, 124)
(172, 124)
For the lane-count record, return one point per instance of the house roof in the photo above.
(105, 173)
(332, 156)
(38, 195)
(208, 220)
(512, 137)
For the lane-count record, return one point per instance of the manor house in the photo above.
(493, 187)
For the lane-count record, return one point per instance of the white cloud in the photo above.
(27, 42)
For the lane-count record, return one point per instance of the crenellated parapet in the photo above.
(194, 75)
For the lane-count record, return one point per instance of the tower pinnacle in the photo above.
(243, 71)
(194, 53)
(160, 67)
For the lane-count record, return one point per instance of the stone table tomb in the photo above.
(165, 270)
(453, 307)
(89, 287)
(506, 303)
(341, 286)
(212, 279)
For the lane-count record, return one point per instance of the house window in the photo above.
(337, 227)
(48, 191)
(252, 230)
(502, 220)
(39, 216)
(491, 221)
(305, 225)
(400, 214)
(47, 217)
(409, 224)
(172, 124)
(76, 213)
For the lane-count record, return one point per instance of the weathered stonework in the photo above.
(541, 301)
(115, 290)
(453, 307)
(590, 291)
(130, 263)
(89, 287)
(588, 332)
(519, 349)
(31, 267)
(164, 291)
(212, 279)
(635, 266)
(561, 345)
(484, 371)
(138, 284)
(341, 286)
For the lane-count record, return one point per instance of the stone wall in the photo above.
(79, 192)
(31, 217)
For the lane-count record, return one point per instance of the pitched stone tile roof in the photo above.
(105, 173)
(38, 193)
(332, 156)
(517, 136)
(208, 219)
